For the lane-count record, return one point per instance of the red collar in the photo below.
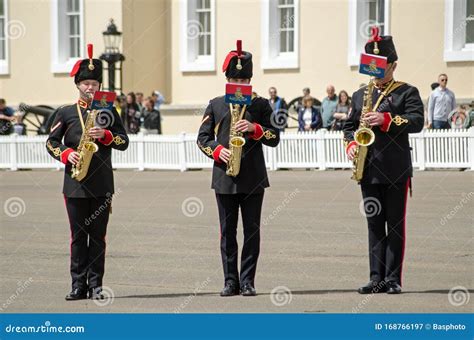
(82, 103)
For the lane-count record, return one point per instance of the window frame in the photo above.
(455, 47)
(190, 60)
(59, 64)
(271, 57)
(357, 19)
(5, 63)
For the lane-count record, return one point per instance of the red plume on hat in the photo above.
(77, 65)
(375, 38)
(237, 53)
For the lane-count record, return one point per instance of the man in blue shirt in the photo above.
(441, 103)
(328, 107)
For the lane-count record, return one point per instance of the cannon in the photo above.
(39, 118)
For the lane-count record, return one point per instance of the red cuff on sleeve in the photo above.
(216, 153)
(108, 138)
(387, 120)
(65, 155)
(258, 133)
(350, 145)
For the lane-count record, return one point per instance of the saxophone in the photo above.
(236, 141)
(86, 149)
(364, 136)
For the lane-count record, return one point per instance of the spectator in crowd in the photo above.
(460, 119)
(7, 118)
(328, 106)
(151, 117)
(299, 101)
(433, 87)
(158, 99)
(342, 111)
(280, 109)
(118, 107)
(309, 117)
(442, 101)
(132, 114)
(139, 96)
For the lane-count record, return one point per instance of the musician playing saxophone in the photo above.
(87, 199)
(397, 110)
(242, 183)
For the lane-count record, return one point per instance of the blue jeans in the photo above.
(441, 124)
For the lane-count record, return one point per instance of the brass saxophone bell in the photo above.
(364, 136)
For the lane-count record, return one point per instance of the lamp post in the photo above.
(112, 55)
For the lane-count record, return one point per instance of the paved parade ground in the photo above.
(163, 246)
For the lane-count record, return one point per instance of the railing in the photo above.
(322, 150)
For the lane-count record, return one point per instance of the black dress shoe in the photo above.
(373, 287)
(230, 289)
(96, 293)
(77, 294)
(393, 288)
(248, 290)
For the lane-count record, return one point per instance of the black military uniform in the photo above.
(247, 188)
(388, 171)
(88, 202)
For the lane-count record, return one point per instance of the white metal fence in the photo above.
(321, 150)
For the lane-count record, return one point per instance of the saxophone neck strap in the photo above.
(81, 119)
(389, 89)
(242, 113)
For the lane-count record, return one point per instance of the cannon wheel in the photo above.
(38, 123)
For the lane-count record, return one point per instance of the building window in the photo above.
(286, 11)
(197, 35)
(363, 14)
(3, 38)
(459, 30)
(67, 34)
(280, 23)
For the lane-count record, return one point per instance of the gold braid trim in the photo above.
(56, 151)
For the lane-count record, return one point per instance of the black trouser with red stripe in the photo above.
(251, 207)
(88, 218)
(385, 210)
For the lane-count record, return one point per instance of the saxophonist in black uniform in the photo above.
(242, 189)
(397, 110)
(88, 200)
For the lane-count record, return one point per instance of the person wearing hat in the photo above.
(397, 111)
(88, 202)
(246, 190)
